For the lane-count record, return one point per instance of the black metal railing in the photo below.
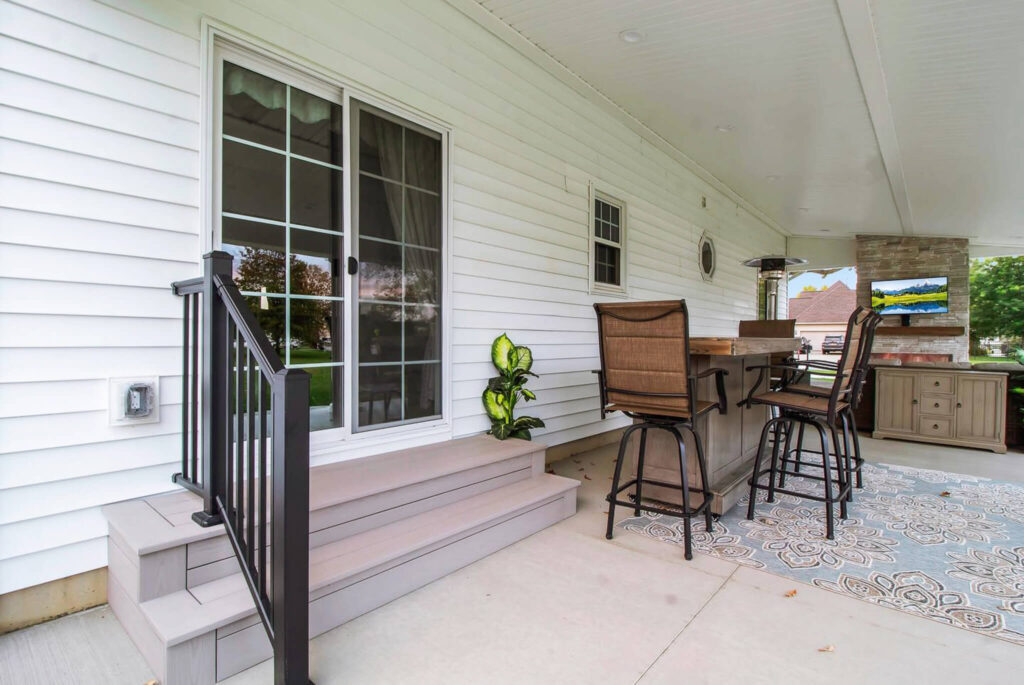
(248, 456)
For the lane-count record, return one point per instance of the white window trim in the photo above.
(331, 444)
(597, 192)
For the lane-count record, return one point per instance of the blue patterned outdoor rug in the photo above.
(940, 545)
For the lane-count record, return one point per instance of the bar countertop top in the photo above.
(740, 347)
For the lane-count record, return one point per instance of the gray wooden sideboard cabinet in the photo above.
(947, 406)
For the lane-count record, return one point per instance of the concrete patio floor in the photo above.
(568, 606)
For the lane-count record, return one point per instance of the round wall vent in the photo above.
(706, 257)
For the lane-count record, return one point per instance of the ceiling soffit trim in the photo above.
(492, 23)
(860, 36)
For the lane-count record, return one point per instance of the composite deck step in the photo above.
(346, 498)
(215, 622)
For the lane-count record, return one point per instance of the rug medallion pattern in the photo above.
(944, 546)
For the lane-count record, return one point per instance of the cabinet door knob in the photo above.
(935, 426)
(937, 384)
(914, 402)
(936, 405)
(959, 405)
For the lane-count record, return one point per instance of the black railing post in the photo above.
(290, 545)
(215, 401)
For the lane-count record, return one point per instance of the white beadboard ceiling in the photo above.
(841, 116)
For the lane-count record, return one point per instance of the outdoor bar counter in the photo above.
(730, 439)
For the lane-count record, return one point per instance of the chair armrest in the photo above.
(603, 399)
(794, 369)
(719, 375)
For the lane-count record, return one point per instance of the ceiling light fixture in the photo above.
(772, 177)
(632, 36)
(724, 128)
(804, 209)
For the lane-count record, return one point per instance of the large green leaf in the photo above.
(500, 430)
(521, 434)
(500, 349)
(493, 404)
(524, 422)
(524, 358)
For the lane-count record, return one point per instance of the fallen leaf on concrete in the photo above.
(586, 477)
(577, 461)
(150, 682)
(580, 468)
(944, 493)
(827, 648)
(791, 593)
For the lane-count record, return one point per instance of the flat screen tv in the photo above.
(910, 296)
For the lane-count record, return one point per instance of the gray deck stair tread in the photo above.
(162, 521)
(182, 615)
(348, 480)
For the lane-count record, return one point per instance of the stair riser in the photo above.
(214, 558)
(147, 577)
(239, 649)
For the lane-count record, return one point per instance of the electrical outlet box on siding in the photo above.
(117, 411)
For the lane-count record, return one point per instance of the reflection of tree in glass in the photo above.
(262, 270)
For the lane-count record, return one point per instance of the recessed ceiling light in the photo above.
(724, 128)
(825, 230)
(772, 177)
(804, 209)
(632, 36)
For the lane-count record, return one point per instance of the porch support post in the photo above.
(215, 401)
(290, 546)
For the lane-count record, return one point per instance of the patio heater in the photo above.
(772, 269)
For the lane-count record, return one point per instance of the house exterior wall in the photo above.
(101, 203)
(816, 332)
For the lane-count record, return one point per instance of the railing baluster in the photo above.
(194, 398)
(184, 390)
(250, 509)
(230, 336)
(263, 488)
(239, 436)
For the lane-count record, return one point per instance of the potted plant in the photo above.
(507, 389)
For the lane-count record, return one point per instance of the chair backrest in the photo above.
(768, 328)
(846, 380)
(860, 373)
(645, 354)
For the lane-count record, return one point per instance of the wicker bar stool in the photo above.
(645, 374)
(825, 415)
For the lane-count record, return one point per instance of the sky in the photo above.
(798, 281)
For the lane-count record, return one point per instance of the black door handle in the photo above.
(353, 266)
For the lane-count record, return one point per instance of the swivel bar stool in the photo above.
(645, 374)
(822, 414)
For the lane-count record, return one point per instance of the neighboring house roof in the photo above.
(833, 305)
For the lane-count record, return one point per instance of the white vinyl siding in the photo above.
(100, 210)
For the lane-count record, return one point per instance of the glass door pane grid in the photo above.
(288, 225)
(403, 304)
(288, 153)
(309, 249)
(283, 224)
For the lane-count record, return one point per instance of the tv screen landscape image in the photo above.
(910, 296)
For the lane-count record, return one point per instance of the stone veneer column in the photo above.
(881, 258)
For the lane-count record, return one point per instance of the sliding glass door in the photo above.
(306, 237)
(398, 225)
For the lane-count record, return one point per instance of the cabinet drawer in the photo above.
(935, 427)
(936, 382)
(938, 405)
